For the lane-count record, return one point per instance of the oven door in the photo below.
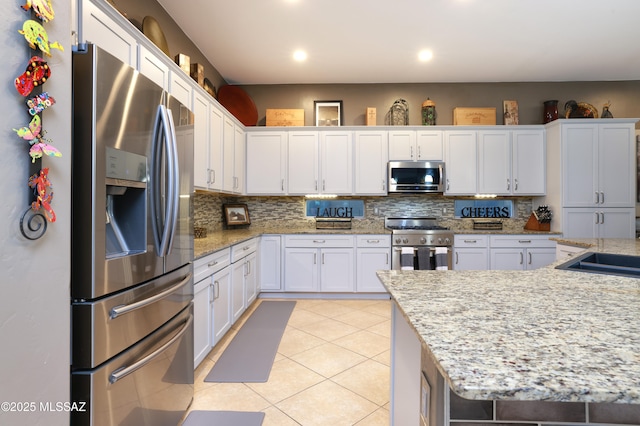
(424, 258)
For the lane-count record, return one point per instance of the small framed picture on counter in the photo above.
(328, 113)
(236, 214)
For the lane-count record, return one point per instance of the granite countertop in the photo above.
(545, 334)
(221, 239)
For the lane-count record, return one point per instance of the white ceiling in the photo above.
(377, 41)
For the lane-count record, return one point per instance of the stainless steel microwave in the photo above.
(416, 176)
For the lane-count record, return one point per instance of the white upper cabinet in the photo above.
(416, 145)
(430, 145)
(598, 164)
(461, 162)
(528, 167)
(402, 145)
(216, 159)
(180, 87)
(266, 163)
(371, 149)
(99, 28)
(153, 67)
(494, 162)
(336, 162)
(201, 127)
(303, 162)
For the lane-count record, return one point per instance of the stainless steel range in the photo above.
(419, 243)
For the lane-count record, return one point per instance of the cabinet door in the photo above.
(266, 163)
(270, 263)
(201, 141)
(180, 87)
(303, 163)
(494, 162)
(153, 67)
(239, 142)
(201, 319)
(507, 259)
(368, 261)
(221, 315)
(528, 169)
(461, 163)
(617, 165)
(537, 258)
(301, 269)
(371, 163)
(470, 259)
(617, 223)
(238, 298)
(251, 279)
(580, 165)
(580, 222)
(228, 141)
(216, 159)
(336, 162)
(336, 270)
(99, 28)
(430, 145)
(402, 145)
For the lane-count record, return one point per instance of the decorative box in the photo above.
(197, 73)
(184, 62)
(285, 117)
(474, 116)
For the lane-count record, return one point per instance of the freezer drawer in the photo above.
(149, 384)
(105, 327)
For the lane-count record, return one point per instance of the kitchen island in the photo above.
(571, 339)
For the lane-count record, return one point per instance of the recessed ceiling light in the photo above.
(299, 55)
(425, 55)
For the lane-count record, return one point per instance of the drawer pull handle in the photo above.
(471, 241)
(373, 241)
(214, 263)
(524, 241)
(319, 241)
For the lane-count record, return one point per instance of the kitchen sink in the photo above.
(604, 263)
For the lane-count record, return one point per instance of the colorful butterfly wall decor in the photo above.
(42, 9)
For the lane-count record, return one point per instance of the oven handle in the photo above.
(116, 311)
(125, 371)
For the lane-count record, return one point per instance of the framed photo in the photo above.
(236, 214)
(328, 113)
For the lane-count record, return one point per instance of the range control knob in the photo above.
(447, 241)
(398, 240)
(423, 240)
(405, 240)
(440, 240)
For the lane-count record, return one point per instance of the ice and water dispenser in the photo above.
(126, 203)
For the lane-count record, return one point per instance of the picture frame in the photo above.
(236, 214)
(328, 113)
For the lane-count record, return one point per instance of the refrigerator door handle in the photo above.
(125, 371)
(116, 311)
(173, 201)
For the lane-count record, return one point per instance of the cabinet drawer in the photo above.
(470, 240)
(374, 241)
(319, 240)
(243, 249)
(521, 241)
(210, 264)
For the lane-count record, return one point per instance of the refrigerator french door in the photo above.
(132, 246)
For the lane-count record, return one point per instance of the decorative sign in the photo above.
(487, 209)
(335, 208)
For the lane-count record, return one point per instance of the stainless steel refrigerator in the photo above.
(132, 247)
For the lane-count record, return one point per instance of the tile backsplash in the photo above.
(290, 211)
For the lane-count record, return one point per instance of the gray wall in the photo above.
(34, 275)
(356, 98)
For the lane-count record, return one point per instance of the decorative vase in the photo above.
(428, 113)
(550, 111)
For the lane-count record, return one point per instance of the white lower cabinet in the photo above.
(211, 302)
(521, 252)
(566, 251)
(243, 277)
(319, 263)
(269, 263)
(373, 253)
(220, 304)
(470, 252)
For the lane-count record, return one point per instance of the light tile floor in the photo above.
(332, 368)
